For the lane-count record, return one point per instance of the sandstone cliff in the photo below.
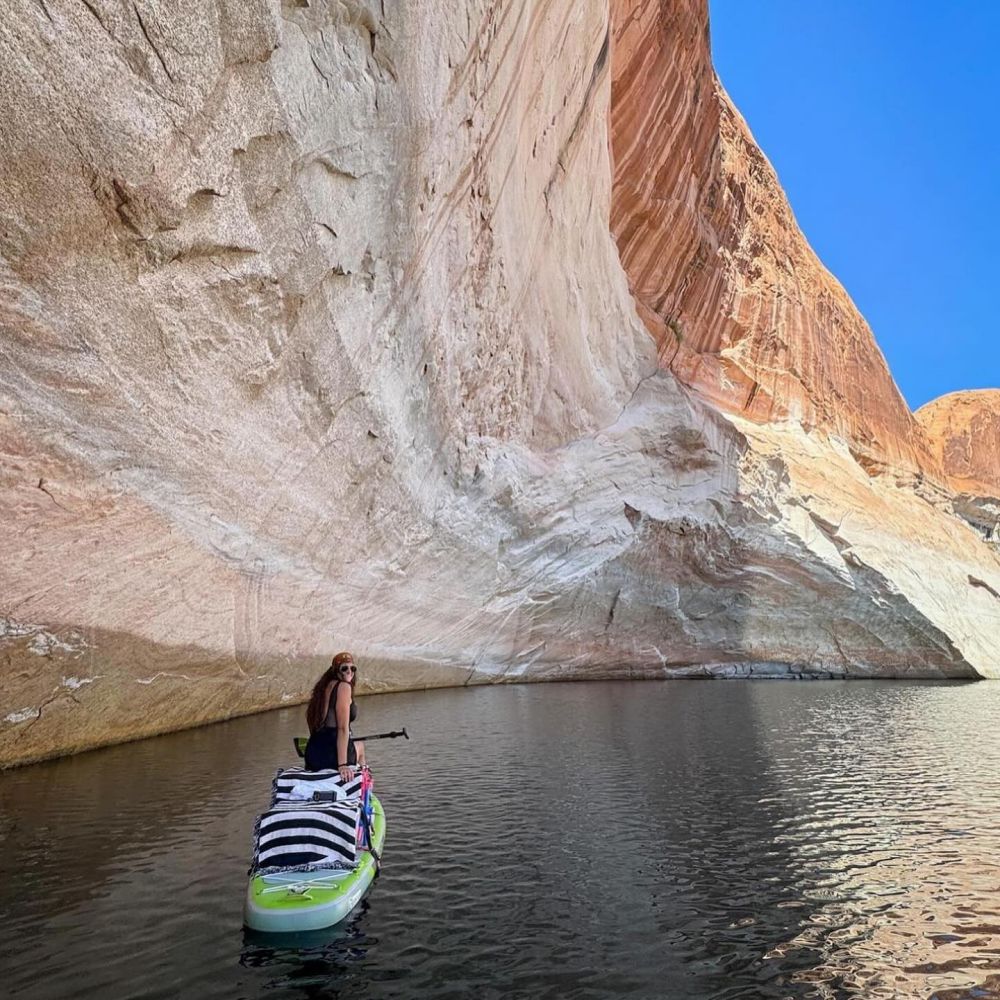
(315, 335)
(964, 432)
(739, 305)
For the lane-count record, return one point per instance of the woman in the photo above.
(329, 716)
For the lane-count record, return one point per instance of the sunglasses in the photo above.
(348, 669)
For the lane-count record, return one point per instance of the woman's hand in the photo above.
(346, 772)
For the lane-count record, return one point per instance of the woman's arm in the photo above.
(344, 697)
(360, 747)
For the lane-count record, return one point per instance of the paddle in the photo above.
(301, 741)
(382, 736)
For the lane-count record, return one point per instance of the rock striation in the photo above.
(316, 333)
(740, 307)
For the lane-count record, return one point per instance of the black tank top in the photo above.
(330, 722)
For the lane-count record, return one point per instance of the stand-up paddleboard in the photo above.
(316, 850)
(310, 900)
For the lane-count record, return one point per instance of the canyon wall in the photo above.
(316, 334)
(739, 305)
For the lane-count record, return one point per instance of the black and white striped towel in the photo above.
(290, 838)
(295, 784)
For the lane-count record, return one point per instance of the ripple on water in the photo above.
(576, 840)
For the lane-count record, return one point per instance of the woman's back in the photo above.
(330, 722)
(329, 716)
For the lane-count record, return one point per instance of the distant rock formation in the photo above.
(316, 335)
(964, 431)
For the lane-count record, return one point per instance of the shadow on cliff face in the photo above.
(70, 691)
(66, 691)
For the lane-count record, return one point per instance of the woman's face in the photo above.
(346, 670)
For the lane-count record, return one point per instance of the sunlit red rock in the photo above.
(740, 307)
(964, 432)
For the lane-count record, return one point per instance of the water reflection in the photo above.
(893, 831)
(310, 963)
(680, 839)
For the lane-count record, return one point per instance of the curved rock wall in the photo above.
(740, 307)
(315, 336)
(278, 280)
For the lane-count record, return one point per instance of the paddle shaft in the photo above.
(382, 736)
(301, 741)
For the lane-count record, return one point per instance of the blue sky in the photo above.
(881, 118)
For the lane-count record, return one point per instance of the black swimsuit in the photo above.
(321, 750)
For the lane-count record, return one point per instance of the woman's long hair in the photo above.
(315, 716)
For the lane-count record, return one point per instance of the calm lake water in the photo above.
(669, 840)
